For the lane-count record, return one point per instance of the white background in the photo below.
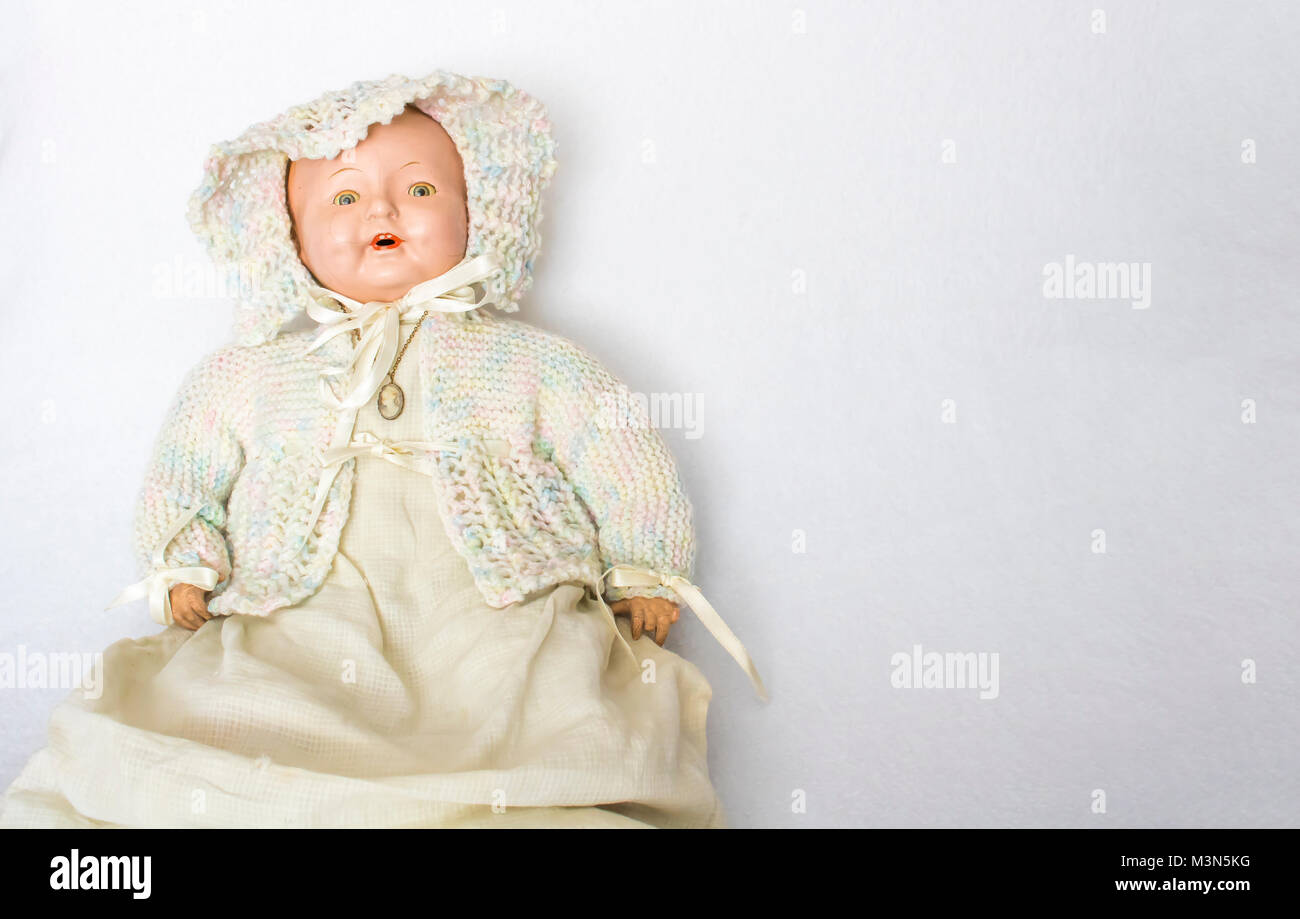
(752, 205)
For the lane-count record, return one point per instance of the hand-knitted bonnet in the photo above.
(241, 214)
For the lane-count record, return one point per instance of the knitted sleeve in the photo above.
(195, 462)
(603, 443)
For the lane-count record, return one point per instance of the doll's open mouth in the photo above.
(385, 241)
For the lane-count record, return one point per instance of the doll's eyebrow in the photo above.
(345, 168)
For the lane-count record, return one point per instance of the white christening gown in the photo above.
(394, 696)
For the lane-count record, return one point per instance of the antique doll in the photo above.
(418, 562)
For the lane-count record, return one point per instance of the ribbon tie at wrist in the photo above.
(157, 586)
(632, 576)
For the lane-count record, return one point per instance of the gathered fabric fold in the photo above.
(378, 324)
(623, 575)
(157, 586)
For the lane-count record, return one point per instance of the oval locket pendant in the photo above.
(391, 400)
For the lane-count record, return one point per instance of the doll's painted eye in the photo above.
(346, 197)
(421, 190)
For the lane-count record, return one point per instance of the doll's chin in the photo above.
(389, 272)
(388, 267)
(389, 285)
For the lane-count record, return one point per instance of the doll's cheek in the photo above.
(340, 227)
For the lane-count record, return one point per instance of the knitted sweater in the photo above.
(578, 492)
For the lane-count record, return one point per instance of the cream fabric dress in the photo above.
(394, 696)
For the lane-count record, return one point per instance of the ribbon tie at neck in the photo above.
(379, 323)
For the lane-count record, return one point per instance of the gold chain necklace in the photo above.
(390, 400)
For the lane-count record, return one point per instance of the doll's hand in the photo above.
(189, 608)
(654, 614)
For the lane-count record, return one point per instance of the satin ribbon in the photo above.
(411, 454)
(632, 576)
(379, 323)
(157, 586)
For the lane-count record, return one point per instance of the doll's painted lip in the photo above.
(385, 241)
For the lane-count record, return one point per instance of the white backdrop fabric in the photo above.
(852, 244)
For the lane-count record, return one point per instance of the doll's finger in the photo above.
(638, 621)
(661, 631)
(193, 616)
(651, 623)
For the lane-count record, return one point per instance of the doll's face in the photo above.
(380, 218)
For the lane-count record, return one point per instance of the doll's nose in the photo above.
(381, 206)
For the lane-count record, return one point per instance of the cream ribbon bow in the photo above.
(632, 576)
(412, 454)
(157, 587)
(380, 322)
